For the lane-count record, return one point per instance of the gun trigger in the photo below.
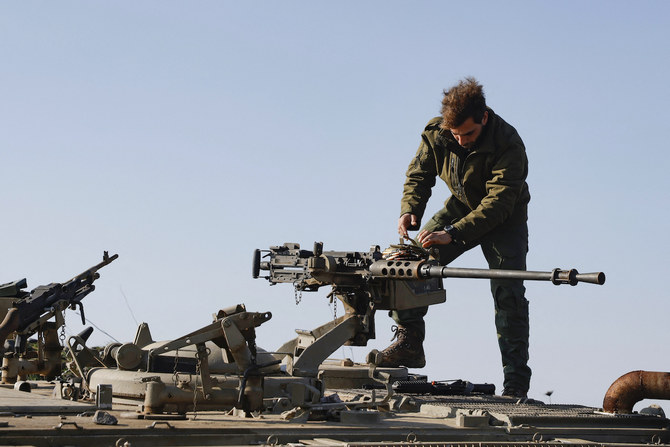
(81, 312)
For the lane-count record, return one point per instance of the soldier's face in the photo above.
(467, 133)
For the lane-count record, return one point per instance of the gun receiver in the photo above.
(30, 311)
(353, 275)
(401, 277)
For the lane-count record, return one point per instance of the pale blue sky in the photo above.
(183, 135)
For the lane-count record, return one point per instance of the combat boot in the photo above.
(407, 350)
(515, 393)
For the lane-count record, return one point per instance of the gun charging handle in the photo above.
(73, 306)
(257, 265)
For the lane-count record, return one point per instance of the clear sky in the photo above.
(182, 135)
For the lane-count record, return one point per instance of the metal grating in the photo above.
(514, 413)
(510, 407)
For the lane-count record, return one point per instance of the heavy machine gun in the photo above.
(400, 277)
(29, 313)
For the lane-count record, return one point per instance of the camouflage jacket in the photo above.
(488, 184)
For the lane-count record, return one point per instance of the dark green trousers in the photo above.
(504, 248)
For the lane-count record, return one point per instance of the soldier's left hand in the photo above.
(426, 239)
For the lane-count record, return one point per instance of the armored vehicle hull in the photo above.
(215, 387)
(36, 419)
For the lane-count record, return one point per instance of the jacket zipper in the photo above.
(456, 168)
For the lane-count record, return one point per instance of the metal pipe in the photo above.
(631, 388)
(161, 390)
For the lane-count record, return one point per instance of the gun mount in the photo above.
(400, 277)
(215, 367)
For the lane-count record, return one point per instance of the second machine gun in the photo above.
(28, 314)
(401, 277)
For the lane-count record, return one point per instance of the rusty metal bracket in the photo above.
(156, 423)
(63, 424)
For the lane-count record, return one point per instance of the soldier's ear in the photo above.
(485, 118)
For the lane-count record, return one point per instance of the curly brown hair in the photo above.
(462, 101)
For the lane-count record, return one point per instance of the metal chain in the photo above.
(296, 289)
(175, 373)
(61, 337)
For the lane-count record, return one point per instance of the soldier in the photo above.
(483, 161)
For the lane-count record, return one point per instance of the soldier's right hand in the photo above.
(407, 222)
(428, 238)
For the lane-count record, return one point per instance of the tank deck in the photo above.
(36, 419)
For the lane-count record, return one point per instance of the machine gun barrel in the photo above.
(424, 270)
(556, 276)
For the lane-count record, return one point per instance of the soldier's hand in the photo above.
(426, 238)
(407, 222)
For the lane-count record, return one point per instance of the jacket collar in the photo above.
(484, 143)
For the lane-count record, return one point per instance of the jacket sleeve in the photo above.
(420, 179)
(508, 177)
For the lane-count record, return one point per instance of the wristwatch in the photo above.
(451, 231)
